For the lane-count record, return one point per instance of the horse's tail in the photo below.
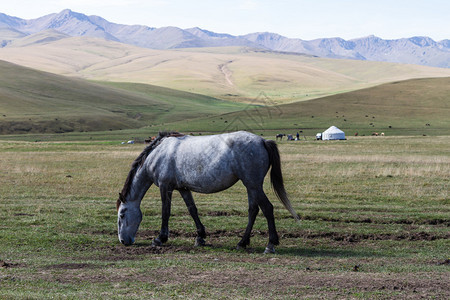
(276, 177)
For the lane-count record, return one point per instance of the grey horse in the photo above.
(203, 164)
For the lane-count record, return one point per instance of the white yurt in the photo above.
(333, 133)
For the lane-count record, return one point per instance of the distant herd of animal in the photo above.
(279, 136)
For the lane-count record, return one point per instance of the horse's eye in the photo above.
(122, 213)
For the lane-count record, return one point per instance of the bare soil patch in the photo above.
(354, 237)
(442, 222)
(7, 265)
(336, 236)
(434, 221)
(23, 214)
(140, 251)
(71, 266)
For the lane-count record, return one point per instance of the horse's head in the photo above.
(129, 216)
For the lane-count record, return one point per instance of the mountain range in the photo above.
(414, 50)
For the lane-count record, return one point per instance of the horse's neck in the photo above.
(139, 186)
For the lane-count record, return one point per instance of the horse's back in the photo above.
(213, 163)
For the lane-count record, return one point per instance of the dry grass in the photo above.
(383, 165)
(284, 78)
(383, 169)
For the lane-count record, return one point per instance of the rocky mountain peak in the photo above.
(414, 50)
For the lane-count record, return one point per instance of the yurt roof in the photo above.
(333, 129)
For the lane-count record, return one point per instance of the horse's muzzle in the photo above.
(127, 242)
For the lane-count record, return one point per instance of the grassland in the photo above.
(231, 73)
(375, 218)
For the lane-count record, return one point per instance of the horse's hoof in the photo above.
(240, 248)
(199, 242)
(156, 243)
(269, 250)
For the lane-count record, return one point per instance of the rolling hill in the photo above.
(238, 74)
(33, 101)
(411, 107)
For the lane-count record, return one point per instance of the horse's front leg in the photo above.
(166, 198)
(190, 204)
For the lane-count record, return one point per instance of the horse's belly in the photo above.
(199, 180)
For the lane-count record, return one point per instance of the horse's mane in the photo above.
(139, 161)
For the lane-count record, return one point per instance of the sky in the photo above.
(304, 19)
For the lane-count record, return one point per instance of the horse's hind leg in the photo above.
(267, 208)
(190, 204)
(253, 210)
(166, 198)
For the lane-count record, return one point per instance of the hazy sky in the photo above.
(305, 19)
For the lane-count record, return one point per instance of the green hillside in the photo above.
(32, 101)
(412, 107)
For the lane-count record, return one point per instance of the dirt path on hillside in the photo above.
(226, 72)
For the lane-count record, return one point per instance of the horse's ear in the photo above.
(118, 204)
(120, 201)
